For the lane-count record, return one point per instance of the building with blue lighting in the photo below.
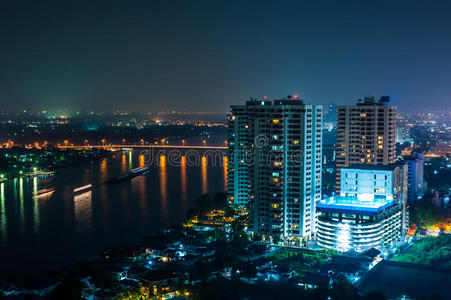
(415, 182)
(370, 211)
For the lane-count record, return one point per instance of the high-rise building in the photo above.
(403, 134)
(366, 134)
(274, 165)
(416, 185)
(371, 210)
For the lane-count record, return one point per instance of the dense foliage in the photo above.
(429, 250)
(423, 214)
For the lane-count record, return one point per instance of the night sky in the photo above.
(205, 55)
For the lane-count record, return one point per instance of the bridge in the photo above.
(84, 147)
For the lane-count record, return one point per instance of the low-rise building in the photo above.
(312, 280)
(348, 224)
(371, 210)
(159, 283)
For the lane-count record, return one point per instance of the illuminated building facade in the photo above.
(403, 134)
(415, 177)
(366, 134)
(370, 211)
(275, 153)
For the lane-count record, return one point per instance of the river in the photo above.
(60, 228)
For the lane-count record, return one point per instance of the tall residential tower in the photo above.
(275, 165)
(366, 134)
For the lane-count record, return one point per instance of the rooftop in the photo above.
(389, 167)
(315, 278)
(353, 205)
(384, 100)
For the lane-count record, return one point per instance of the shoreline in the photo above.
(8, 175)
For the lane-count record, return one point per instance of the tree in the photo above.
(237, 230)
(205, 202)
(425, 214)
(220, 236)
(343, 289)
(220, 200)
(133, 294)
(229, 211)
(103, 280)
(201, 270)
(249, 270)
(276, 238)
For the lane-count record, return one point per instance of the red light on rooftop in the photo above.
(265, 97)
(296, 96)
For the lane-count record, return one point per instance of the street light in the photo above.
(183, 142)
(204, 142)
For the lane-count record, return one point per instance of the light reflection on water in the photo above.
(35, 206)
(21, 204)
(58, 228)
(130, 160)
(224, 171)
(183, 181)
(204, 175)
(163, 186)
(83, 208)
(3, 220)
(124, 163)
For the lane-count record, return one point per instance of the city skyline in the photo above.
(202, 55)
(211, 149)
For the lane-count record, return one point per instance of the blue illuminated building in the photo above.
(369, 212)
(416, 185)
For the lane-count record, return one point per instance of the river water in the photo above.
(60, 228)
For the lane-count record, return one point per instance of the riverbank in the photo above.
(17, 162)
